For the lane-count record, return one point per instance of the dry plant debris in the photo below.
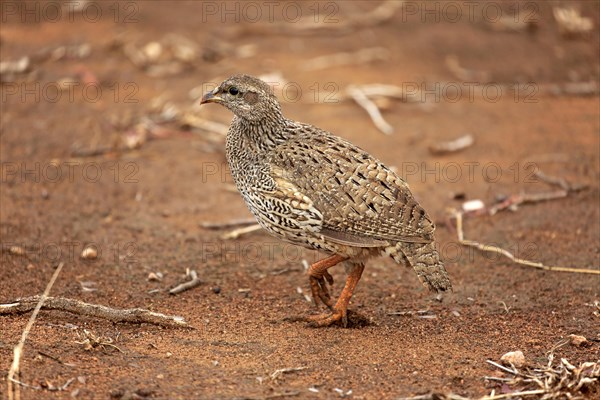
(548, 382)
(452, 146)
(571, 23)
(228, 224)
(356, 93)
(458, 216)
(512, 202)
(465, 74)
(322, 25)
(361, 56)
(171, 55)
(236, 233)
(90, 341)
(190, 284)
(130, 315)
(278, 373)
(14, 392)
(371, 98)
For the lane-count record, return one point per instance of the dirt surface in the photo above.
(142, 207)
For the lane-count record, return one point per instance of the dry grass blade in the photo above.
(14, 391)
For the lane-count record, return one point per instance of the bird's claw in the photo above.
(319, 289)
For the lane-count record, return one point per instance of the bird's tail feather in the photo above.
(425, 260)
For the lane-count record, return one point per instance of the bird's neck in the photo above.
(258, 136)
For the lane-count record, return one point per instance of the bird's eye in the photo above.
(233, 91)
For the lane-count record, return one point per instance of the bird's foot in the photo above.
(339, 317)
(319, 289)
(319, 321)
(348, 319)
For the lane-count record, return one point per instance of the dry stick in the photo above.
(14, 392)
(234, 234)
(435, 396)
(552, 180)
(452, 146)
(204, 124)
(276, 374)
(347, 58)
(192, 283)
(371, 108)
(517, 199)
(379, 15)
(131, 315)
(227, 224)
(494, 249)
(513, 394)
(393, 91)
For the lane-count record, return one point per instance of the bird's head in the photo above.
(246, 96)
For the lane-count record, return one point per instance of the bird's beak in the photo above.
(211, 97)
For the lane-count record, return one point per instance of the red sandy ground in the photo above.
(150, 223)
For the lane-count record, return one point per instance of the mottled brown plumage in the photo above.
(311, 188)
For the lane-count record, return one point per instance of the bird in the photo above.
(311, 188)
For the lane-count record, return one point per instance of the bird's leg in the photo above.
(317, 274)
(340, 310)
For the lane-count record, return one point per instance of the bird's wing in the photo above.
(360, 199)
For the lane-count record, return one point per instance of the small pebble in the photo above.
(155, 276)
(216, 290)
(578, 340)
(473, 205)
(16, 250)
(89, 253)
(516, 358)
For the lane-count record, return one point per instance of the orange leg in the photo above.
(340, 310)
(317, 274)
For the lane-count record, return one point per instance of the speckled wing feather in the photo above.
(359, 198)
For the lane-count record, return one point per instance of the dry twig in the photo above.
(278, 373)
(371, 108)
(347, 58)
(14, 392)
(236, 233)
(130, 315)
(465, 74)
(452, 146)
(494, 249)
(376, 90)
(227, 224)
(307, 25)
(190, 119)
(517, 199)
(192, 283)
